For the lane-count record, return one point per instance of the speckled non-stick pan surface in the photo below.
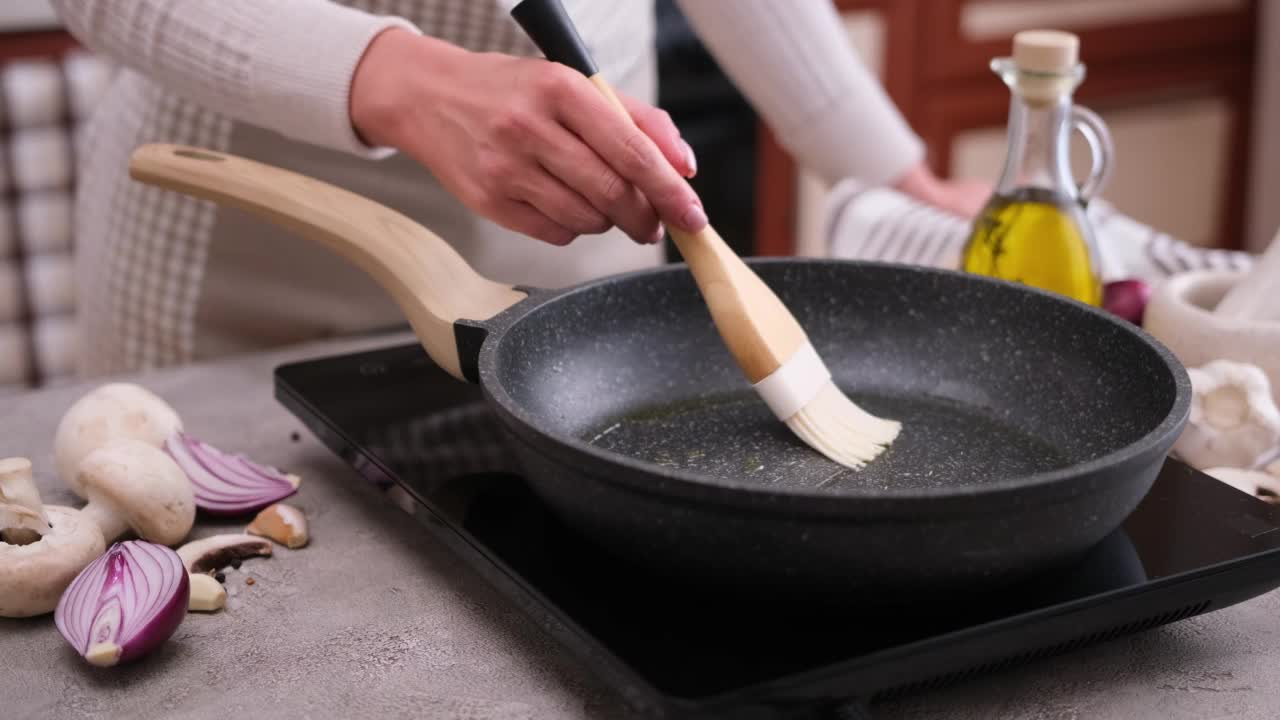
(1033, 425)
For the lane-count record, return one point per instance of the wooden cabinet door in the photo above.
(1174, 78)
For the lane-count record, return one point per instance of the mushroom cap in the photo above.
(144, 486)
(32, 577)
(111, 412)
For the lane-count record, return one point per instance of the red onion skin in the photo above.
(163, 627)
(1126, 299)
(170, 613)
(183, 449)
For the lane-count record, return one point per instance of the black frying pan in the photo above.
(1032, 424)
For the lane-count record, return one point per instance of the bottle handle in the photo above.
(1101, 149)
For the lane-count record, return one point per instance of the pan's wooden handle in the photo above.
(758, 329)
(428, 279)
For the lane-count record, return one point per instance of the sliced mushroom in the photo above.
(209, 554)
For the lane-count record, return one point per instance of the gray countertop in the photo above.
(375, 619)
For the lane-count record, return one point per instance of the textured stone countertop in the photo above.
(373, 619)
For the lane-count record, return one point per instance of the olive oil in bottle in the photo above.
(1036, 237)
(1034, 229)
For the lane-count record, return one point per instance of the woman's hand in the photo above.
(960, 197)
(527, 143)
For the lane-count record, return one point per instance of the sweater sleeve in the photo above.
(794, 63)
(285, 65)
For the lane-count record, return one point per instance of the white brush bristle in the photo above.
(835, 426)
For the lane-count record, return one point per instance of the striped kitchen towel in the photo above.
(872, 223)
(43, 104)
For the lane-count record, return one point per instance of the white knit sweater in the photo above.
(219, 72)
(286, 65)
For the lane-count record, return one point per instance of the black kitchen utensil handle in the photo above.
(553, 31)
(435, 288)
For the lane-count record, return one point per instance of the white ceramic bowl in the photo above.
(1180, 315)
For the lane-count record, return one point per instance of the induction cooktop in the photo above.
(677, 650)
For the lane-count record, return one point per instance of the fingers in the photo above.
(630, 153)
(559, 202)
(566, 157)
(527, 220)
(657, 124)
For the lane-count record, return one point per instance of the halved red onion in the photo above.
(227, 484)
(125, 603)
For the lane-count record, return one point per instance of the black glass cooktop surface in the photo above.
(674, 649)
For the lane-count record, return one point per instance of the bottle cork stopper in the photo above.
(1045, 51)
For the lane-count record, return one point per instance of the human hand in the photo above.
(527, 143)
(961, 197)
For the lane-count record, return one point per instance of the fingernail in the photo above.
(690, 160)
(659, 235)
(694, 219)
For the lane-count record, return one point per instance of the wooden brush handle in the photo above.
(428, 279)
(758, 329)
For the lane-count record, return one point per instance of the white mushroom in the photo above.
(223, 483)
(42, 547)
(132, 485)
(33, 576)
(217, 551)
(111, 412)
(1233, 422)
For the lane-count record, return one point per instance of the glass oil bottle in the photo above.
(1034, 230)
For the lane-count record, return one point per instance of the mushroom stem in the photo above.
(18, 489)
(109, 519)
(134, 486)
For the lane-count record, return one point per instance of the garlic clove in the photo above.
(1226, 407)
(207, 594)
(282, 523)
(217, 551)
